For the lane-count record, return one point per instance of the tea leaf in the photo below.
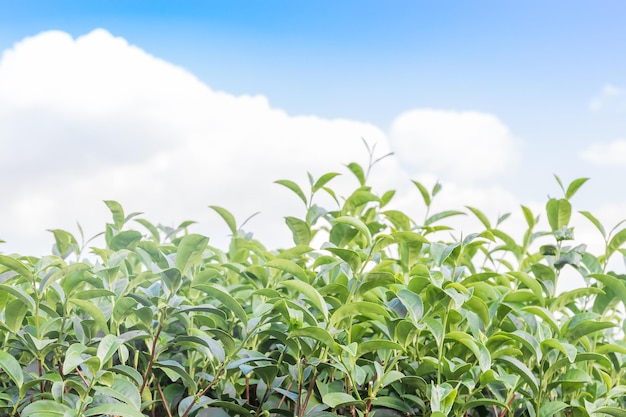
(293, 187)
(12, 368)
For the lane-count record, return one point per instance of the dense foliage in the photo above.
(382, 319)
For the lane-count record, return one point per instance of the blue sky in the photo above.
(536, 66)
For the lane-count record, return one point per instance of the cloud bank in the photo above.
(94, 118)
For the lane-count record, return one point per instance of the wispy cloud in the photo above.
(611, 97)
(606, 153)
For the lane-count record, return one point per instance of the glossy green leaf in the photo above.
(341, 399)
(316, 333)
(293, 187)
(574, 186)
(288, 267)
(423, 191)
(551, 408)
(178, 369)
(300, 229)
(128, 239)
(16, 266)
(522, 370)
(362, 308)
(47, 408)
(226, 299)
(559, 213)
(119, 410)
(190, 250)
(118, 213)
(227, 217)
(357, 171)
(357, 224)
(10, 366)
(323, 180)
(309, 292)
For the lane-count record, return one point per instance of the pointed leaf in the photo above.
(316, 333)
(523, 371)
(323, 180)
(289, 267)
(574, 186)
(118, 213)
(226, 299)
(310, 293)
(10, 366)
(357, 224)
(190, 251)
(227, 217)
(293, 187)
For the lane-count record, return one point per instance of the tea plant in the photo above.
(382, 319)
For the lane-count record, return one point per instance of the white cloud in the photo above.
(610, 97)
(94, 118)
(606, 153)
(460, 146)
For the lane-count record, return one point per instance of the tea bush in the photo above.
(382, 319)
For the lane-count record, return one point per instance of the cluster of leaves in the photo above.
(381, 319)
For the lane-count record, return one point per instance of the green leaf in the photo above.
(522, 370)
(424, 192)
(122, 390)
(74, 357)
(442, 215)
(413, 304)
(20, 295)
(551, 408)
(349, 256)
(357, 171)
(616, 285)
(64, 241)
(362, 308)
(119, 410)
(310, 293)
(316, 333)
(128, 239)
(107, 347)
(179, 370)
(227, 217)
(17, 266)
(300, 229)
(393, 403)
(93, 311)
(288, 267)
(341, 399)
(12, 368)
(118, 213)
(374, 280)
(528, 215)
(485, 402)
(612, 411)
(376, 345)
(190, 251)
(615, 243)
(529, 282)
(323, 180)
(47, 408)
(357, 224)
(293, 187)
(559, 213)
(226, 299)
(574, 186)
(481, 216)
(595, 222)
